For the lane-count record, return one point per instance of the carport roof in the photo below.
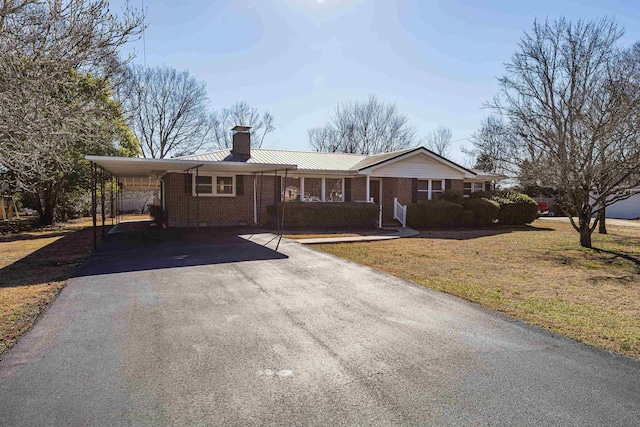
(141, 167)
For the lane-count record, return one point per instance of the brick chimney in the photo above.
(241, 142)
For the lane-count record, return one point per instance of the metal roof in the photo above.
(140, 167)
(305, 160)
(263, 160)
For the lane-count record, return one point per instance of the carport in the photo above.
(121, 173)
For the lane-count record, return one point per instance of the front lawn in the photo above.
(535, 273)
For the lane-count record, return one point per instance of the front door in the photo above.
(374, 190)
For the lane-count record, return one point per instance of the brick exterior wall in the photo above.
(404, 190)
(182, 208)
(358, 189)
(456, 185)
(266, 190)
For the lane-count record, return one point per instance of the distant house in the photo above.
(234, 186)
(625, 209)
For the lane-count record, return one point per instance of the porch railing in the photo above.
(399, 212)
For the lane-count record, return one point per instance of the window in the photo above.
(204, 185)
(333, 189)
(437, 189)
(429, 189)
(209, 185)
(224, 185)
(472, 187)
(291, 189)
(423, 189)
(313, 189)
(467, 189)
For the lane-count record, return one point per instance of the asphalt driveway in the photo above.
(231, 332)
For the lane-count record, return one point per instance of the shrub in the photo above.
(454, 196)
(485, 211)
(434, 214)
(157, 213)
(515, 208)
(309, 215)
(481, 195)
(467, 219)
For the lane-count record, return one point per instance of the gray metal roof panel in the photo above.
(304, 159)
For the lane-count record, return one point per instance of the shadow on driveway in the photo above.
(158, 249)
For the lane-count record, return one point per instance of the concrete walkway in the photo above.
(399, 234)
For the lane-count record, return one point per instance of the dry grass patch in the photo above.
(33, 268)
(538, 274)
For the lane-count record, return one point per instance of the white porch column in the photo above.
(429, 188)
(368, 189)
(302, 188)
(343, 189)
(323, 191)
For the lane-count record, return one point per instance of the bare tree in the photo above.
(492, 147)
(365, 128)
(572, 98)
(439, 141)
(167, 110)
(56, 59)
(241, 114)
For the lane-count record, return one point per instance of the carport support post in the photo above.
(111, 198)
(118, 200)
(93, 204)
(102, 198)
(255, 199)
(198, 202)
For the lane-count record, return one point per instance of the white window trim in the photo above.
(214, 180)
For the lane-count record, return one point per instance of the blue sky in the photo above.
(437, 60)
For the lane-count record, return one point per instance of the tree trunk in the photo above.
(602, 226)
(584, 230)
(46, 203)
(585, 238)
(47, 214)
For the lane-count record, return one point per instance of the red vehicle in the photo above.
(543, 208)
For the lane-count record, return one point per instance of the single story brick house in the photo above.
(234, 186)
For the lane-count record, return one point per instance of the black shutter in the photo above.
(239, 185)
(414, 190)
(447, 184)
(277, 193)
(347, 189)
(188, 183)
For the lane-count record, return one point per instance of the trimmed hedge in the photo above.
(326, 215)
(434, 214)
(515, 208)
(454, 196)
(467, 219)
(485, 211)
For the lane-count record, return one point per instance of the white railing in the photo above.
(399, 212)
